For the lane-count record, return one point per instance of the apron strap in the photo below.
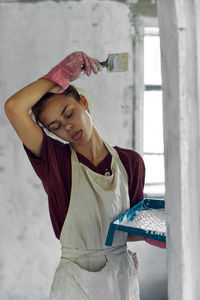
(69, 253)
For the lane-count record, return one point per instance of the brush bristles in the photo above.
(118, 62)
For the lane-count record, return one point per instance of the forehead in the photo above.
(54, 106)
(58, 100)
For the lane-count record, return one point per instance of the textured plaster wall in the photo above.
(34, 38)
(180, 49)
(37, 36)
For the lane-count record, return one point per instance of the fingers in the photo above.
(91, 65)
(87, 64)
(99, 66)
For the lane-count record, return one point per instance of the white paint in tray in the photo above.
(150, 220)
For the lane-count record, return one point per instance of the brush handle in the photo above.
(103, 63)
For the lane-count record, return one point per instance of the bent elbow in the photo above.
(10, 107)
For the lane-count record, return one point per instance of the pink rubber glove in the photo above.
(156, 243)
(69, 69)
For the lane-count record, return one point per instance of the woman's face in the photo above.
(68, 118)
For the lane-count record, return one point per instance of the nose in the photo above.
(67, 126)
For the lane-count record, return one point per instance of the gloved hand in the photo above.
(69, 69)
(156, 243)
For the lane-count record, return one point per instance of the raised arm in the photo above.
(17, 110)
(17, 107)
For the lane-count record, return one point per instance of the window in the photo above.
(153, 146)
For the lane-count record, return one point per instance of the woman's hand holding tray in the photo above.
(147, 219)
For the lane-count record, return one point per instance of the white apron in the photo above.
(88, 269)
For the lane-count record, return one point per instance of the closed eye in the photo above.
(56, 128)
(69, 114)
(65, 113)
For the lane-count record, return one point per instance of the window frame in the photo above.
(140, 22)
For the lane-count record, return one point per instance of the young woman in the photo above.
(88, 182)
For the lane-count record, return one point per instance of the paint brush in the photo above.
(116, 62)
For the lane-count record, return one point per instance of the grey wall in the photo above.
(34, 37)
(180, 49)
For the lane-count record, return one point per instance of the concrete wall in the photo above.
(180, 49)
(34, 37)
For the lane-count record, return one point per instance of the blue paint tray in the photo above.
(144, 207)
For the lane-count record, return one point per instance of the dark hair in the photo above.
(37, 109)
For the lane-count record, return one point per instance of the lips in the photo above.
(77, 135)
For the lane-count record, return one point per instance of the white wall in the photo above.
(37, 36)
(34, 38)
(180, 49)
